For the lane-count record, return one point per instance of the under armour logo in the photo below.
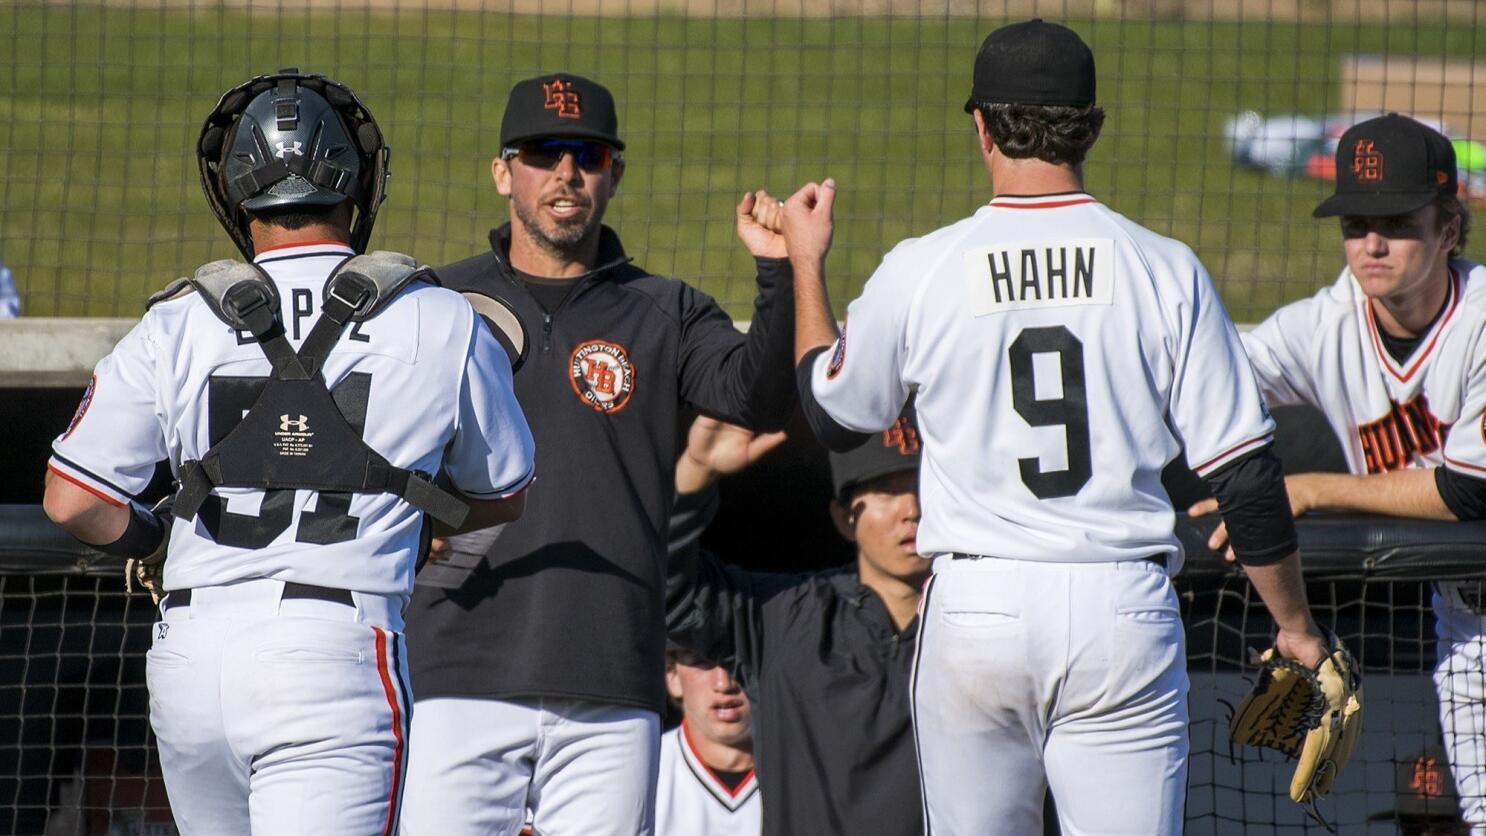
(1367, 162)
(286, 424)
(161, 629)
(285, 149)
(561, 98)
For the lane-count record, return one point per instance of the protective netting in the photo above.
(1222, 115)
(76, 751)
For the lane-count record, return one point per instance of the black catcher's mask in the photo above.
(291, 139)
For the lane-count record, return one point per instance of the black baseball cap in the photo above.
(895, 449)
(560, 106)
(1035, 63)
(1390, 165)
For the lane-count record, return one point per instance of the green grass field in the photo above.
(99, 200)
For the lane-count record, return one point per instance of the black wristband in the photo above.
(827, 431)
(1464, 495)
(1256, 508)
(141, 536)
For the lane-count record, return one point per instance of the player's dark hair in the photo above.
(1057, 134)
(299, 216)
(1446, 208)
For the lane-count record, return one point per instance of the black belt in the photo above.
(182, 597)
(1158, 559)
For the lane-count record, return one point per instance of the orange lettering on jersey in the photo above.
(561, 97)
(903, 436)
(1407, 432)
(1367, 162)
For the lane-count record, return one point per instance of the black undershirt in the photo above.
(1401, 348)
(731, 780)
(549, 293)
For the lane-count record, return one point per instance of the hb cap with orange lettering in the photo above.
(560, 106)
(1390, 165)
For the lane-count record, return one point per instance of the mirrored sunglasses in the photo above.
(590, 156)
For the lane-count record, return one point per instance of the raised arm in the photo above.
(744, 378)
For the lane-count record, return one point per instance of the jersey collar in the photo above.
(1042, 201)
(1404, 372)
(730, 798)
(303, 249)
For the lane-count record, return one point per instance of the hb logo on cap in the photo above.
(1367, 162)
(561, 97)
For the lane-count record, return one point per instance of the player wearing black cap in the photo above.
(1394, 353)
(1060, 356)
(542, 685)
(824, 658)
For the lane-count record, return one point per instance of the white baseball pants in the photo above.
(280, 716)
(582, 768)
(1032, 675)
(1460, 682)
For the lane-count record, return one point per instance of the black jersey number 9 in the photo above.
(1070, 411)
(227, 399)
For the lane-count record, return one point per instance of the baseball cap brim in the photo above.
(575, 132)
(862, 477)
(1373, 204)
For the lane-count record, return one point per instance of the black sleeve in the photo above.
(716, 610)
(743, 380)
(690, 516)
(1256, 508)
(1464, 495)
(835, 437)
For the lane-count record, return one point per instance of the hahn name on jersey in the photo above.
(1035, 274)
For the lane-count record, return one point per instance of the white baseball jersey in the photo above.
(1428, 411)
(424, 380)
(1423, 412)
(1062, 355)
(690, 801)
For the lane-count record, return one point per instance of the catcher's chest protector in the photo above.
(295, 436)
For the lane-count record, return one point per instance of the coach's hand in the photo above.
(761, 224)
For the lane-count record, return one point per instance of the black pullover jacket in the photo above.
(569, 602)
(827, 675)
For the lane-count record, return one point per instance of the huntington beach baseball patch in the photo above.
(82, 407)
(601, 375)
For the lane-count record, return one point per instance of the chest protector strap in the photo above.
(294, 436)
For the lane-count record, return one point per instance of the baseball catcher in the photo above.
(1311, 714)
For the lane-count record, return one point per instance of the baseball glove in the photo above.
(1314, 716)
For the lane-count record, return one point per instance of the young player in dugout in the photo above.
(707, 783)
(1394, 354)
(824, 657)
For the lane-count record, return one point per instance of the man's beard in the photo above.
(562, 238)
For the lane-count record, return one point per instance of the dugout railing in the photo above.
(76, 754)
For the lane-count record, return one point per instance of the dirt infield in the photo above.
(1315, 11)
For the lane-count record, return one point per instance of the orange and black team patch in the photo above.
(838, 357)
(602, 375)
(82, 407)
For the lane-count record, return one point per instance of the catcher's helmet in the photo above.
(291, 139)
